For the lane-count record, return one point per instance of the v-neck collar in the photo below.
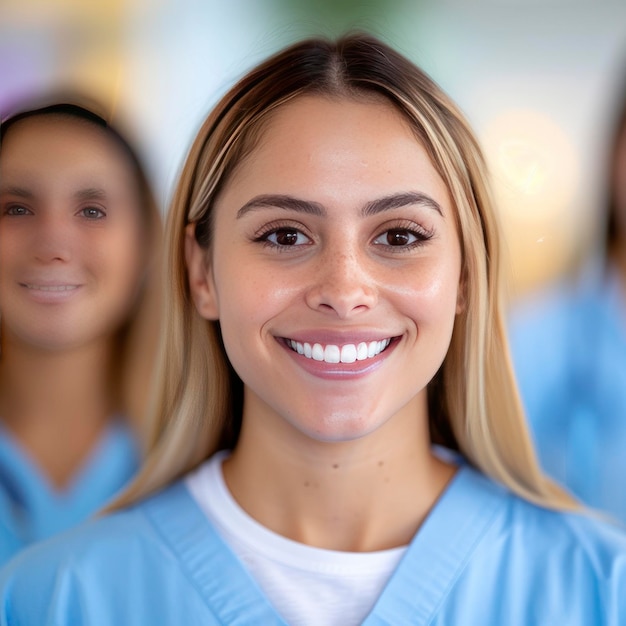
(426, 574)
(227, 588)
(112, 462)
(439, 551)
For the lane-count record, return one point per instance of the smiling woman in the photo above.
(360, 256)
(337, 436)
(78, 231)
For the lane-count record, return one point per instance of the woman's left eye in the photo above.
(400, 237)
(92, 213)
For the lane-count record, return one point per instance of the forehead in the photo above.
(341, 145)
(349, 124)
(48, 146)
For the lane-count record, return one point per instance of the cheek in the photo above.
(248, 287)
(430, 293)
(14, 246)
(7, 253)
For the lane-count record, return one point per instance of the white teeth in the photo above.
(317, 352)
(332, 354)
(348, 353)
(52, 287)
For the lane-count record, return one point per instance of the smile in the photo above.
(51, 287)
(347, 353)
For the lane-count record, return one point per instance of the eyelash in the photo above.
(420, 234)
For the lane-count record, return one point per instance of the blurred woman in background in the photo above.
(79, 231)
(569, 348)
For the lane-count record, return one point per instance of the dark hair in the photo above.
(618, 139)
(61, 108)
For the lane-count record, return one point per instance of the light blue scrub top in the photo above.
(31, 509)
(483, 557)
(569, 352)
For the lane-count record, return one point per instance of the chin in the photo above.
(340, 428)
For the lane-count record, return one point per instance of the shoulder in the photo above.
(524, 564)
(560, 560)
(99, 572)
(583, 535)
(584, 532)
(92, 544)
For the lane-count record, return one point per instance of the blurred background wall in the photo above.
(536, 78)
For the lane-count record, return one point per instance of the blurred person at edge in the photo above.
(569, 349)
(79, 238)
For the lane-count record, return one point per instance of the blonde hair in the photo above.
(473, 401)
(136, 338)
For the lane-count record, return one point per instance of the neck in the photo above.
(45, 396)
(368, 494)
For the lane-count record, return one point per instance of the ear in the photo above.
(201, 283)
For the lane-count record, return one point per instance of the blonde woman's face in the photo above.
(335, 270)
(70, 234)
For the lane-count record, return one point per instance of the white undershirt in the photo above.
(307, 586)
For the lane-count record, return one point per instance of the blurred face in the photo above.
(70, 234)
(334, 271)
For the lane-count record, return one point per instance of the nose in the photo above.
(342, 284)
(52, 239)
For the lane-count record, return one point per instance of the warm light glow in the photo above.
(535, 170)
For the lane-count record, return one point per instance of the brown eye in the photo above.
(399, 237)
(286, 237)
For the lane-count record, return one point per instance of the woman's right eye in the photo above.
(17, 210)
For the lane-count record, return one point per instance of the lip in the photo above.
(342, 371)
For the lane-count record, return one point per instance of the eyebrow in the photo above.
(289, 203)
(282, 202)
(399, 200)
(90, 193)
(20, 192)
